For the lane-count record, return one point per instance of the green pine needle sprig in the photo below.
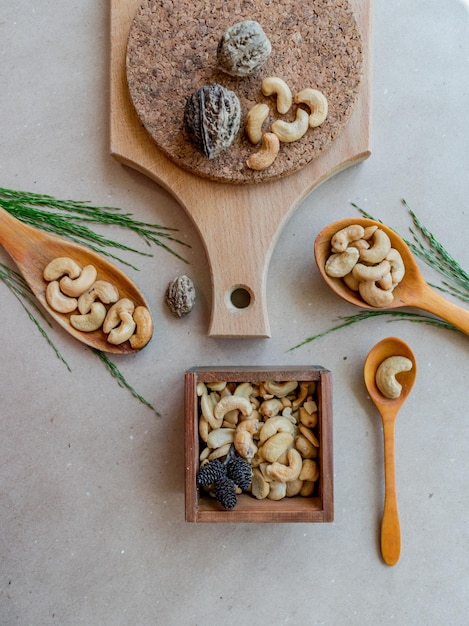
(70, 219)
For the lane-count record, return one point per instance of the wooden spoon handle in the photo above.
(436, 304)
(390, 526)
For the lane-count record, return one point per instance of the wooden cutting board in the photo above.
(239, 224)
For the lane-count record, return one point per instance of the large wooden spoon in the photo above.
(388, 408)
(413, 291)
(32, 250)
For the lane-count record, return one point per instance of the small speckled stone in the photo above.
(180, 296)
(243, 49)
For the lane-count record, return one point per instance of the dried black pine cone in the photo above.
(210, 473)
(240, 472)
(225, 492)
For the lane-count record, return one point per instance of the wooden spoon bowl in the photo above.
(388, 409)
(32, 250)
(412, 291)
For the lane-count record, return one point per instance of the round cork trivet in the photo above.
(171, 52)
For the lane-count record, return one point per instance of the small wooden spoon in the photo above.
(390, 528)
(32, 250)
(412, 291)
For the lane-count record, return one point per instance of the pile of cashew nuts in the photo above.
(386, 373)
(367, 263)
(72, 287)
(271, 425)
(282, 131)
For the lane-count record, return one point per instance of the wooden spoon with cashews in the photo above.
(412, 291)
(388, 408)
(32, 250)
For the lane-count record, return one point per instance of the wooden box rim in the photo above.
(297, 509)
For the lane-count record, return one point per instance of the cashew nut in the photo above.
(204, 428)
(255, 117)
(274, 85)
(100, 290)
(273, 425)
(375, 296)
(144, 327)
(264, 158)
(207, 405)
(284, 473)
(87, 322)
(259, 486)
(219, 452)
(317, 102)
(386, 374)
(124, 331)
(271, 408)
(345, 236)
(397, 266)
(305, 447)
(364, 272)
(309, 435)
(220, 437)
(339, 264)
(293, 488)
(229, 403)
(57, 300)
(292, 131)
(244, 390)
(379, 250)
(280, 389)
(351, 282)
(113, 317)
(309, 470)
(75, 287)
(308, 419)
(243, 438)
(277, 490)
(276, 445)
(60, 266)
(302, 395)
(307, 489)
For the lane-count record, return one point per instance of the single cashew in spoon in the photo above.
(292, 131)
(243, 438)
(255, 118)
(113, 317)
(101, 290)
(273, 425)
(379, 250)
(386, 374)
(124, 331)
(74, 287)
(93, 320)
(397, 266)
(264, 158)
(317, 103)
(339, 264)
(371, 272)
(343, 237)
(59, 301)
(61, 266)
(284, 473)
(272, 85)
(280, 389)
(375, 296)
(144, 327)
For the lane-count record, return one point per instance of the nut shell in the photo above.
(180, 296)
(212, 117)
(243, 49)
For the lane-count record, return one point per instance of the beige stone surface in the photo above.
(91, 480)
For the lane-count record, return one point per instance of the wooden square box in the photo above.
(200, 507)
